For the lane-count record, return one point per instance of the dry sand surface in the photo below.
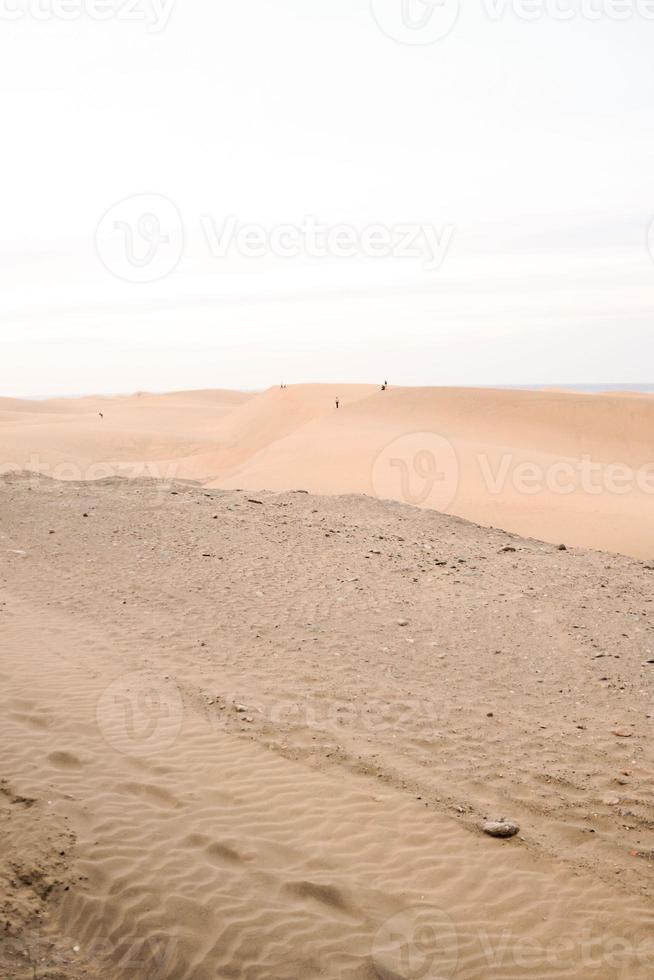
(556, 465)
(255, 736)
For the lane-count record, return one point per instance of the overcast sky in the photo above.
(512, 159)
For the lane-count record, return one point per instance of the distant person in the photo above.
(384, 387)
(337, 402)
(101, 415)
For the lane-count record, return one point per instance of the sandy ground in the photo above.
(256, 735)
(560, 466)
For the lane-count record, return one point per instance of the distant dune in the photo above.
(561, 466)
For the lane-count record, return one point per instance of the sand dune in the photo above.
(558, 465)
(264, 421)
(66, 438)
(222, 754)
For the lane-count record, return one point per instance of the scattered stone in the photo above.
(251, 500)
(506, 549)
(403, 622)
(562, 547)
(501, 828)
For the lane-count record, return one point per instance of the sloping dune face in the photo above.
(556, 465)
(560, 466)
(265, 422)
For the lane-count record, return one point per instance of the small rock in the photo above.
(403, 622)
(506, 549)
(562, 547)
(501, 828)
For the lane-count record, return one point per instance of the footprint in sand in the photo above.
(65, 760)
(325, 894)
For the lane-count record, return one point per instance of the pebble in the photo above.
(501, 828)
(403, 622)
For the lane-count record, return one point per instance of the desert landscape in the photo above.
(559, 465)
(326, 490)
(274, 674)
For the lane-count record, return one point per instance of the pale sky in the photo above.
(526, 147)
